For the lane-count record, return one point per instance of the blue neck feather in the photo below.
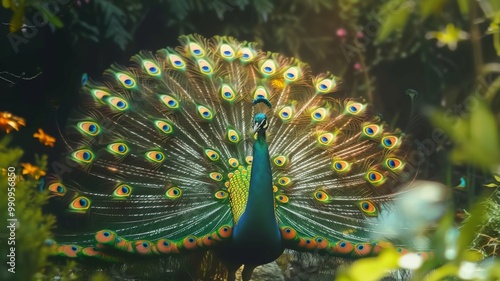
(258, 222)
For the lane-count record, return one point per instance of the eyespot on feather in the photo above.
(268, 67)
(375, 178)
(318, 115)
(227, 93)
(247, 55)
(143, 247)
(173, 193)
(155, 156)
(292, 74)
(224, 231)
(205, 113)
(196, 50)
(282, 198)
(341, 166)
(170, 101)
(221, 194)
(127, 81)
(165, 126)
(390, 142)
(354, 108)
(288, 233)
(81, 203)
(205, 67)
(89, 128)
(122, 191)
(216, 176)
(212, 154)
(233, 162)
(368, 208)
(325, 86)
(227, 52)
(362, 249)
(57, 189)
(118, 148)
(176, 62)
(83, 156)
(151, 68)
(286, 113)
(321, 196)
(117, 103)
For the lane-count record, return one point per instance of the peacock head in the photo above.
(260, 123)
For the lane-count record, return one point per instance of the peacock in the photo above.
(218, 146)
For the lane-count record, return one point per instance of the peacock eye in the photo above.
(321, 196)
(151, 68)
(390, 142)
(216, 176)
(227, 93)
(319, 114)
(282, 198)
(100, 94)
(233, 162)
(268, 67)
(119, 148)
(375, 178)
(325, 85)
(57, 189)
(212, 155)
(249, 160)
(371, 130)
(233, 136)
(127, 81)
(246, 54)
(341, 166)
(88, 127)
(155, 156)
(164, 126)
(286, 113)
(260, 93)
(173, 193)
(292, 74)
(81, 203)
(177, 62)
(122, 191)
(284, 181)
(205, 112)
(83, 155)
(226, 51)
(354, 108)
(368, 208)
(196, 50)
(205, 67)
(221, 194)
(117, 103)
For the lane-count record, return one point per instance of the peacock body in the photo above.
(217, 145)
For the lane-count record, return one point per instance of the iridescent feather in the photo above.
(166, 152)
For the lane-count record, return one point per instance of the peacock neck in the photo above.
(259, 219)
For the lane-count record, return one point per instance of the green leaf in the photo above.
(371, 269)
(52, 18)
(463, 5)
(497, 178)
(491, 185)
(485, 140)
(395, 19)
(428, 7)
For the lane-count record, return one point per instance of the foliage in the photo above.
(32, 227)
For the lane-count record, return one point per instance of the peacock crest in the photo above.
(201, 146)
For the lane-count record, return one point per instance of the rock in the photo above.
(266, 272)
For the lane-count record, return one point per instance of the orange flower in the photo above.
(9, 122)
(44, 138)
(33, 171)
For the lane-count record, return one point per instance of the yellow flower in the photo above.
(33, 171)
(9, 122)
(449, 36)
(44, 138)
